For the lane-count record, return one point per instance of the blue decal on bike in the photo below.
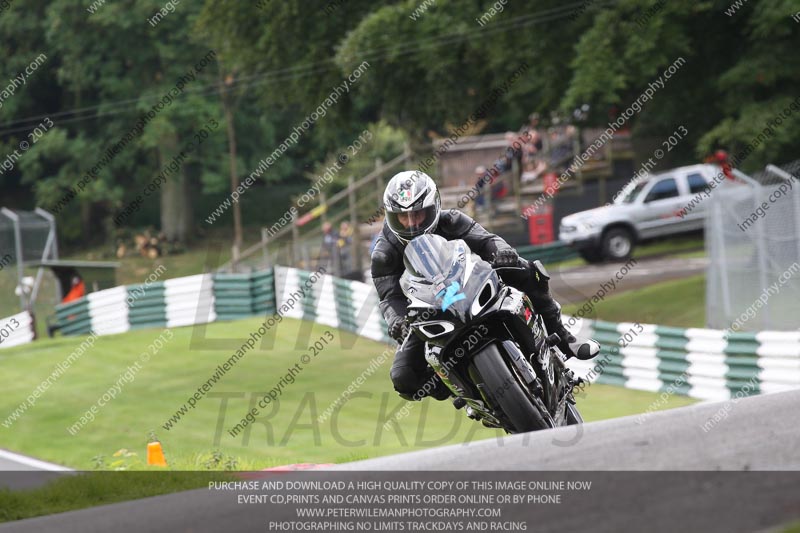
(451, 295)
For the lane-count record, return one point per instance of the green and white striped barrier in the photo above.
(16, 330)
(243, 295)
(701, 363)
(339, 303)
(171, 303)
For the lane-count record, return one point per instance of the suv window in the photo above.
(697, 183)
(667, 188)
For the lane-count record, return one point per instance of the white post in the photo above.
(722, 268)
(18, 250)
(761, 247)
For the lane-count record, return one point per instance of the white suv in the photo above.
(656, 205)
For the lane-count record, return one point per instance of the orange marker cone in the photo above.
(155, 454)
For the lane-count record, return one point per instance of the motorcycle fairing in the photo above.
(446, 275)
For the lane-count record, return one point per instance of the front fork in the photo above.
(432, 354)
(475, 408)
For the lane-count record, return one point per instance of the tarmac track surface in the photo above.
(657, 473)
(578, 284)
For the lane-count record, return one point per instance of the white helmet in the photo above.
(411, 191)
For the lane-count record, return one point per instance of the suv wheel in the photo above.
(591, 256)
(617, 244)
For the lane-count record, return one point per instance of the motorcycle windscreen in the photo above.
(441, 264)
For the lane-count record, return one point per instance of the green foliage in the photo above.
(72, 492)
(216, 460)
(759, 85)
(277, 61)
(386, 142)
(739, 72)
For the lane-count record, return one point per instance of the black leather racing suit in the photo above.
(409, 369)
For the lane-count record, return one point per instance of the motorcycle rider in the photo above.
(413, 207)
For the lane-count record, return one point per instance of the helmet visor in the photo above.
(410, 224)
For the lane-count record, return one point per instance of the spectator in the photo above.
(536, 145)
(720, 158)
(329, 253)
(533, 164)
(498, 188)
(375, 236)
(533, 121)
(481, 177)
(77, 291)
(532, 169)
(344, 244)
(561, 145)
(505, 163)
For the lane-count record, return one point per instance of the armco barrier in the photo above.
(343, 304)
(174, 302)
(701, 363)
(189, 300)
(243, 295)
(16, 330)
(147, 306)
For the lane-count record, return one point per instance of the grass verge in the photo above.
(72, 492)
(288, 430)
(679, 303)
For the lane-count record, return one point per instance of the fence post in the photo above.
(720, 273)
(379, 181)
(264, 247)
(487, 190)
(576, 150)
(796, 200)
(18, 251)
(356, 241)
(516, 175)
(795, 197)
(761, 247)
(295, 242)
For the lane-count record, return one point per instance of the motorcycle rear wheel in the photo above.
(506, 392)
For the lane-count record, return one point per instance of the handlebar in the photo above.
(523, 265)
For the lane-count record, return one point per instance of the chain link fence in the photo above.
(753, 245)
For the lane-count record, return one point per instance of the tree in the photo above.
(739, 70)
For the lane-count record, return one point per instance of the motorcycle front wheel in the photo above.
(506, 392)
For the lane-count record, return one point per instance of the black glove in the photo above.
(506, 258)
(398, 330)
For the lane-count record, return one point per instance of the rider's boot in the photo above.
(543, 302)
(574, 346)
